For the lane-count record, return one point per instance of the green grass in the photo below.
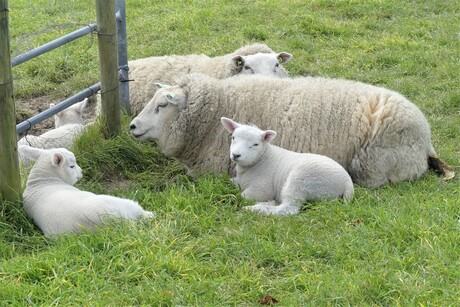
(397, 245)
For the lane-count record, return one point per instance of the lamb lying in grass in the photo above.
(57, 207)
(268, 173)
(69, 124)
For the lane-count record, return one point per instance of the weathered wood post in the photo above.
(10, 181)
(108, 59)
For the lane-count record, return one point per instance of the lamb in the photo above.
(57, 207)
(376, 134)
(268, 173)
(251, 59)
(69, 124)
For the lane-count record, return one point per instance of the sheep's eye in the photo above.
(248, 68)
(233, 138)
(160, 106)
(277, 65)
(72, 166)
(256, 144)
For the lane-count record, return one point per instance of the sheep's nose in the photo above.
(132, 126)
(236, 156)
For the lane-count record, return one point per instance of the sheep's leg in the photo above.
(267, 208)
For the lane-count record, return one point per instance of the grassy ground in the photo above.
(397, 245)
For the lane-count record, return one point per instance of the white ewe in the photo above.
(268, 173)
(57, 207)
(376, 134)
(251, 59)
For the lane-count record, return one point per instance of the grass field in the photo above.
(396, 245)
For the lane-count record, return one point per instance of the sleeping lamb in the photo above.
(250, 59)
(268, 173)
(57, 207)
(376, 134)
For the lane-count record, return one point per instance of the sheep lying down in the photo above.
(251, 59)
(57, 207)
(267, 173)
(376, 134)
(68, 123)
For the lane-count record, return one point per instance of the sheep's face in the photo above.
(156, 121)
(269, 64)
(71, 115)
(65, 166)
(248, 142)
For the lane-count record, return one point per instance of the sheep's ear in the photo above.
(57, 159)
(238, 62)
(284, 57)
(175, 98)
(229, 124)
(269, 135)
(31, 153)
(159, 85)
(81, 106)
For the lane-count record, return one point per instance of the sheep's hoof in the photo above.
(148, 214)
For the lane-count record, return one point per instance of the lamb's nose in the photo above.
(132, 127)
(236, 156)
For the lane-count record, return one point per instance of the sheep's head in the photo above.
(59, 161)
(269, 64)
(71, 115)
(157, 121)
(248, 142)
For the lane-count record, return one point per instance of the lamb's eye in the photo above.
(277, 65)
(256, 144)
(72, 166)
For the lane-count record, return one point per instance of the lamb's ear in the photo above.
(159, 85)
(229, 124)
(81, 106)
(269, 135)
(31, 153)
(57, 159)
(284, 57)
(238, 62)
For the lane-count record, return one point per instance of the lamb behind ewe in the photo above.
(251, 59)
(376, 134)
(57, 207)
(267, 173)
(69, 124)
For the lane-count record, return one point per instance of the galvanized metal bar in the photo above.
(25, 125)
(53, 44)
(123, 55)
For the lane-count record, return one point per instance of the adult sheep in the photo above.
(250, 59)
(376, 134)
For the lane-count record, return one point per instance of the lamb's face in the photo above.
(268, 64)
(64, 163)
(71, 115)
(156, 121)
(247, 145)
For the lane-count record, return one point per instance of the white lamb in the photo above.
(251, 59)
(69, 124)
(376, 134)
(57, 207)
(268, 173)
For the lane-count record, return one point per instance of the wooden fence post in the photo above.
(10, 181)
(108, 59)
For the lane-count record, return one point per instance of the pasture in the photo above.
(396, 245)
